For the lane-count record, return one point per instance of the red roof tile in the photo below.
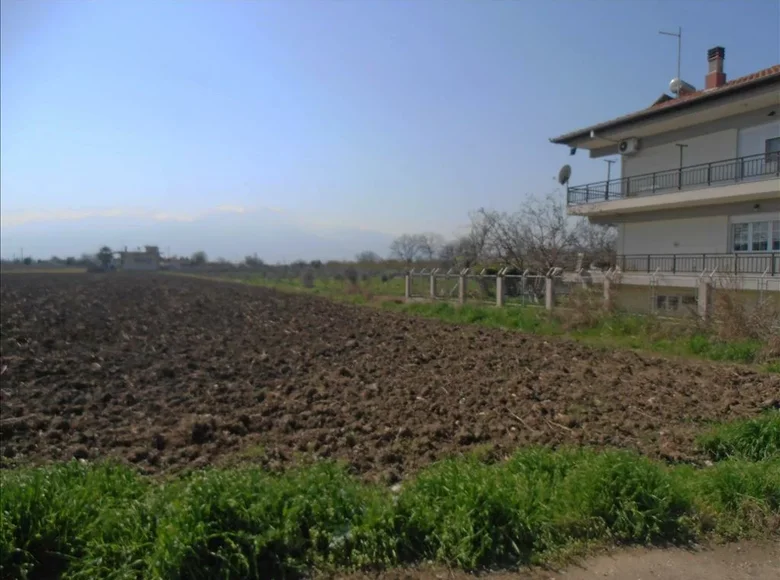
(772, 71)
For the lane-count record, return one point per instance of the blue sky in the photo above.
(381, 116)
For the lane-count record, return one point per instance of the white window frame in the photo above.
(772, 218)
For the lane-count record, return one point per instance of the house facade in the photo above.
(699, 184)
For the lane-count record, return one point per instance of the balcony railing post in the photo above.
(606, 192)
(624, 262)
(653, 182)
(587, 193)
(774, 264)
(736, 263)
(648, 263)
(674, 263)
(709, 173)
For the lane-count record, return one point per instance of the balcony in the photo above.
(717, 173)
(748, 264)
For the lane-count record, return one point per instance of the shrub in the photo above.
(351, 275)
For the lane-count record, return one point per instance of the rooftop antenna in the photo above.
(678, 34)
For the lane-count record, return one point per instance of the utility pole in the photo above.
(682, 147)
(609, 163)
(678, 34)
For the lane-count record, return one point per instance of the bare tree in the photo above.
(406, 247)
(597, 242)
(430, 244)
(539, 236)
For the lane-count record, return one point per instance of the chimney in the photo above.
(715, 77)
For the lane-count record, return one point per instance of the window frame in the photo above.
(773, 155)
(772, 240)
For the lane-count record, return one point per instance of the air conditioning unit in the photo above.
(628, 146)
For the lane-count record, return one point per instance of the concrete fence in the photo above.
(548, 290)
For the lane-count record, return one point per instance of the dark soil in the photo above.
(172, 372)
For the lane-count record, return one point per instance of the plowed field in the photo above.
(171, 372)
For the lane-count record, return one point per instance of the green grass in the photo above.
(750, 439)
(94, 521)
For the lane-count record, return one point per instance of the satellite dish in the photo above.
(564, 174)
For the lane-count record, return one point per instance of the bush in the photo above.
(351, 275)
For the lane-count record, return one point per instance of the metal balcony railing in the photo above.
(753, 167)
(755, 264)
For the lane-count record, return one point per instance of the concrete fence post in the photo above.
(433, 285)
(462, 289)
(408, 286)
(705, 299)
(549, 296)
(500, 292)
(607, 293)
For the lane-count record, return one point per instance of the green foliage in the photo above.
(82, 521)
(751, 439)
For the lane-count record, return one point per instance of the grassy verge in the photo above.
(616, 330)
(90, 521)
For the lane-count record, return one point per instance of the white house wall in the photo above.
(752, 140)
(717, 146)
(701, 235)
(728, 138)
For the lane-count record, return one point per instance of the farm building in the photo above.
(146, 259)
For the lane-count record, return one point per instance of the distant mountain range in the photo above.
(230, 233)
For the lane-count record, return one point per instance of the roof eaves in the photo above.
(738, 85)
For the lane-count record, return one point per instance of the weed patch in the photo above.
(88, 521)
(751, 439)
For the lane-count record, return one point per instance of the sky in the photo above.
(333, 124)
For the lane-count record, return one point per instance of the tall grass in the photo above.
(750, 439)
(90, 521)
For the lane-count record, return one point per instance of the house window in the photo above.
(761, 236)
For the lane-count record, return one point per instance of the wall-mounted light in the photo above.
(771, 113)
(756, 207)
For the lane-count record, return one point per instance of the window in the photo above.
(776, 236)
(759, 236)
(741, 234)
(772, 149)
(672, 303)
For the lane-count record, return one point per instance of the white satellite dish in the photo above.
(564, 174)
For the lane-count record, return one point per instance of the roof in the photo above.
(661, 107)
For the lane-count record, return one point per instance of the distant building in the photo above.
(148, 259)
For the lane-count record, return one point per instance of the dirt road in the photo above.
(742, 561)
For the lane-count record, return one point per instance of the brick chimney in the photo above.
(715, 77)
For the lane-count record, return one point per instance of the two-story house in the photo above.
(699, 185)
